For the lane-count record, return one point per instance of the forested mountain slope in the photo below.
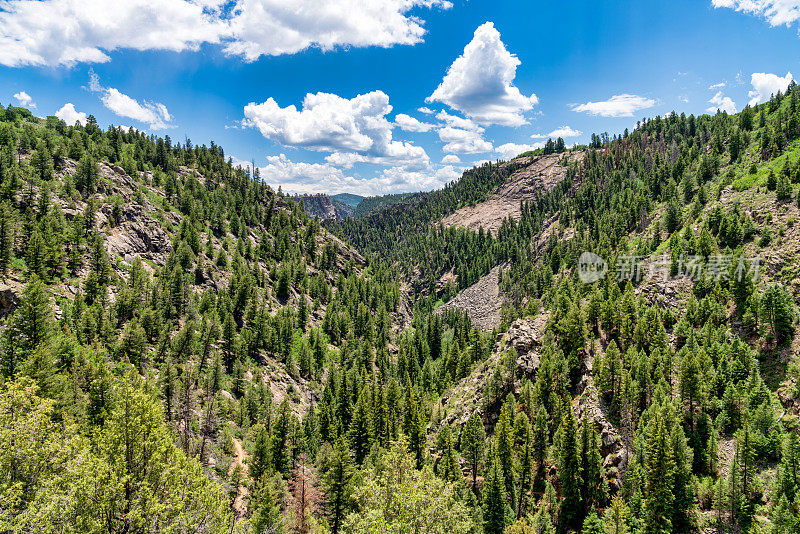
(186, 350)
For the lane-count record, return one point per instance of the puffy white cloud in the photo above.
(70, 115)
(66, 32)
(480, 82)
(24, 99)
(461, 135)
(463, 141)
(410, 124)
(564, 132)
(624, 105)
(776, 12)
(275, 27)
(426, 110)
(765, 85)
(512, 150)
(716, 86)
(355, 130)
(302, 177)
(722, 103)
(451, 159)
(154, 114)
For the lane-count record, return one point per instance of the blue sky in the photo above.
(312, 91)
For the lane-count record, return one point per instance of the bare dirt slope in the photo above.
(482, 301)
(540, 174)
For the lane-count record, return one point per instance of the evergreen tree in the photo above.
(473, 443)
(337, 485)
(494, 500)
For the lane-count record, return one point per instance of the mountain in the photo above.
(348, 198)
(325, 207)
(601, 338)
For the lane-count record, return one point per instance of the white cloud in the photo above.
(512, 150)
(154, 114)
(426, 110)
(355, 130)
(463, 141)
(70, 115)
(24, 99)
(275, 27)
(410, 124)
(716, 86)
(765, 85)
(302, 177)
(451, 159)
(564, 132)
(624, 105)
(461, 135)
(66, 32)
(684, 99)
(479, 83)
(776, 12)
(722, 103)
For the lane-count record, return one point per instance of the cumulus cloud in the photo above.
(410, 124)
(451, 159)
(66, 32)
(426, 110)
(275, 27)
(460, 135)
(153, 114)
(776, 12)
(302, 177)
(765, 85)
(480, 82)
(624, 105)
(70, 115)
(24, 99)
(355, 130)
(721, 103)
(564, 132)
(511, 150)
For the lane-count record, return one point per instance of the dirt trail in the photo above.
(240, 503)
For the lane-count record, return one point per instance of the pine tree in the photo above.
(473, 443)
(337, 485)
(259, 462)
(569, 472)
(494, 500)
(361, 432)
(34, 318)
(659, 476)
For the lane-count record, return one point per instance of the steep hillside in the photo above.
(534, 175)
(325, 207)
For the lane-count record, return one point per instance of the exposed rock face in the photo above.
(325, 207)
(9, 300)
(612, 446)
(482, 301)
(464, 399)
(538, 174)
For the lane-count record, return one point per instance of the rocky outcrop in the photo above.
(325, 207)
(9, 300)
(612, 445)
(534, 175)
(467, 397)
(482, 301)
